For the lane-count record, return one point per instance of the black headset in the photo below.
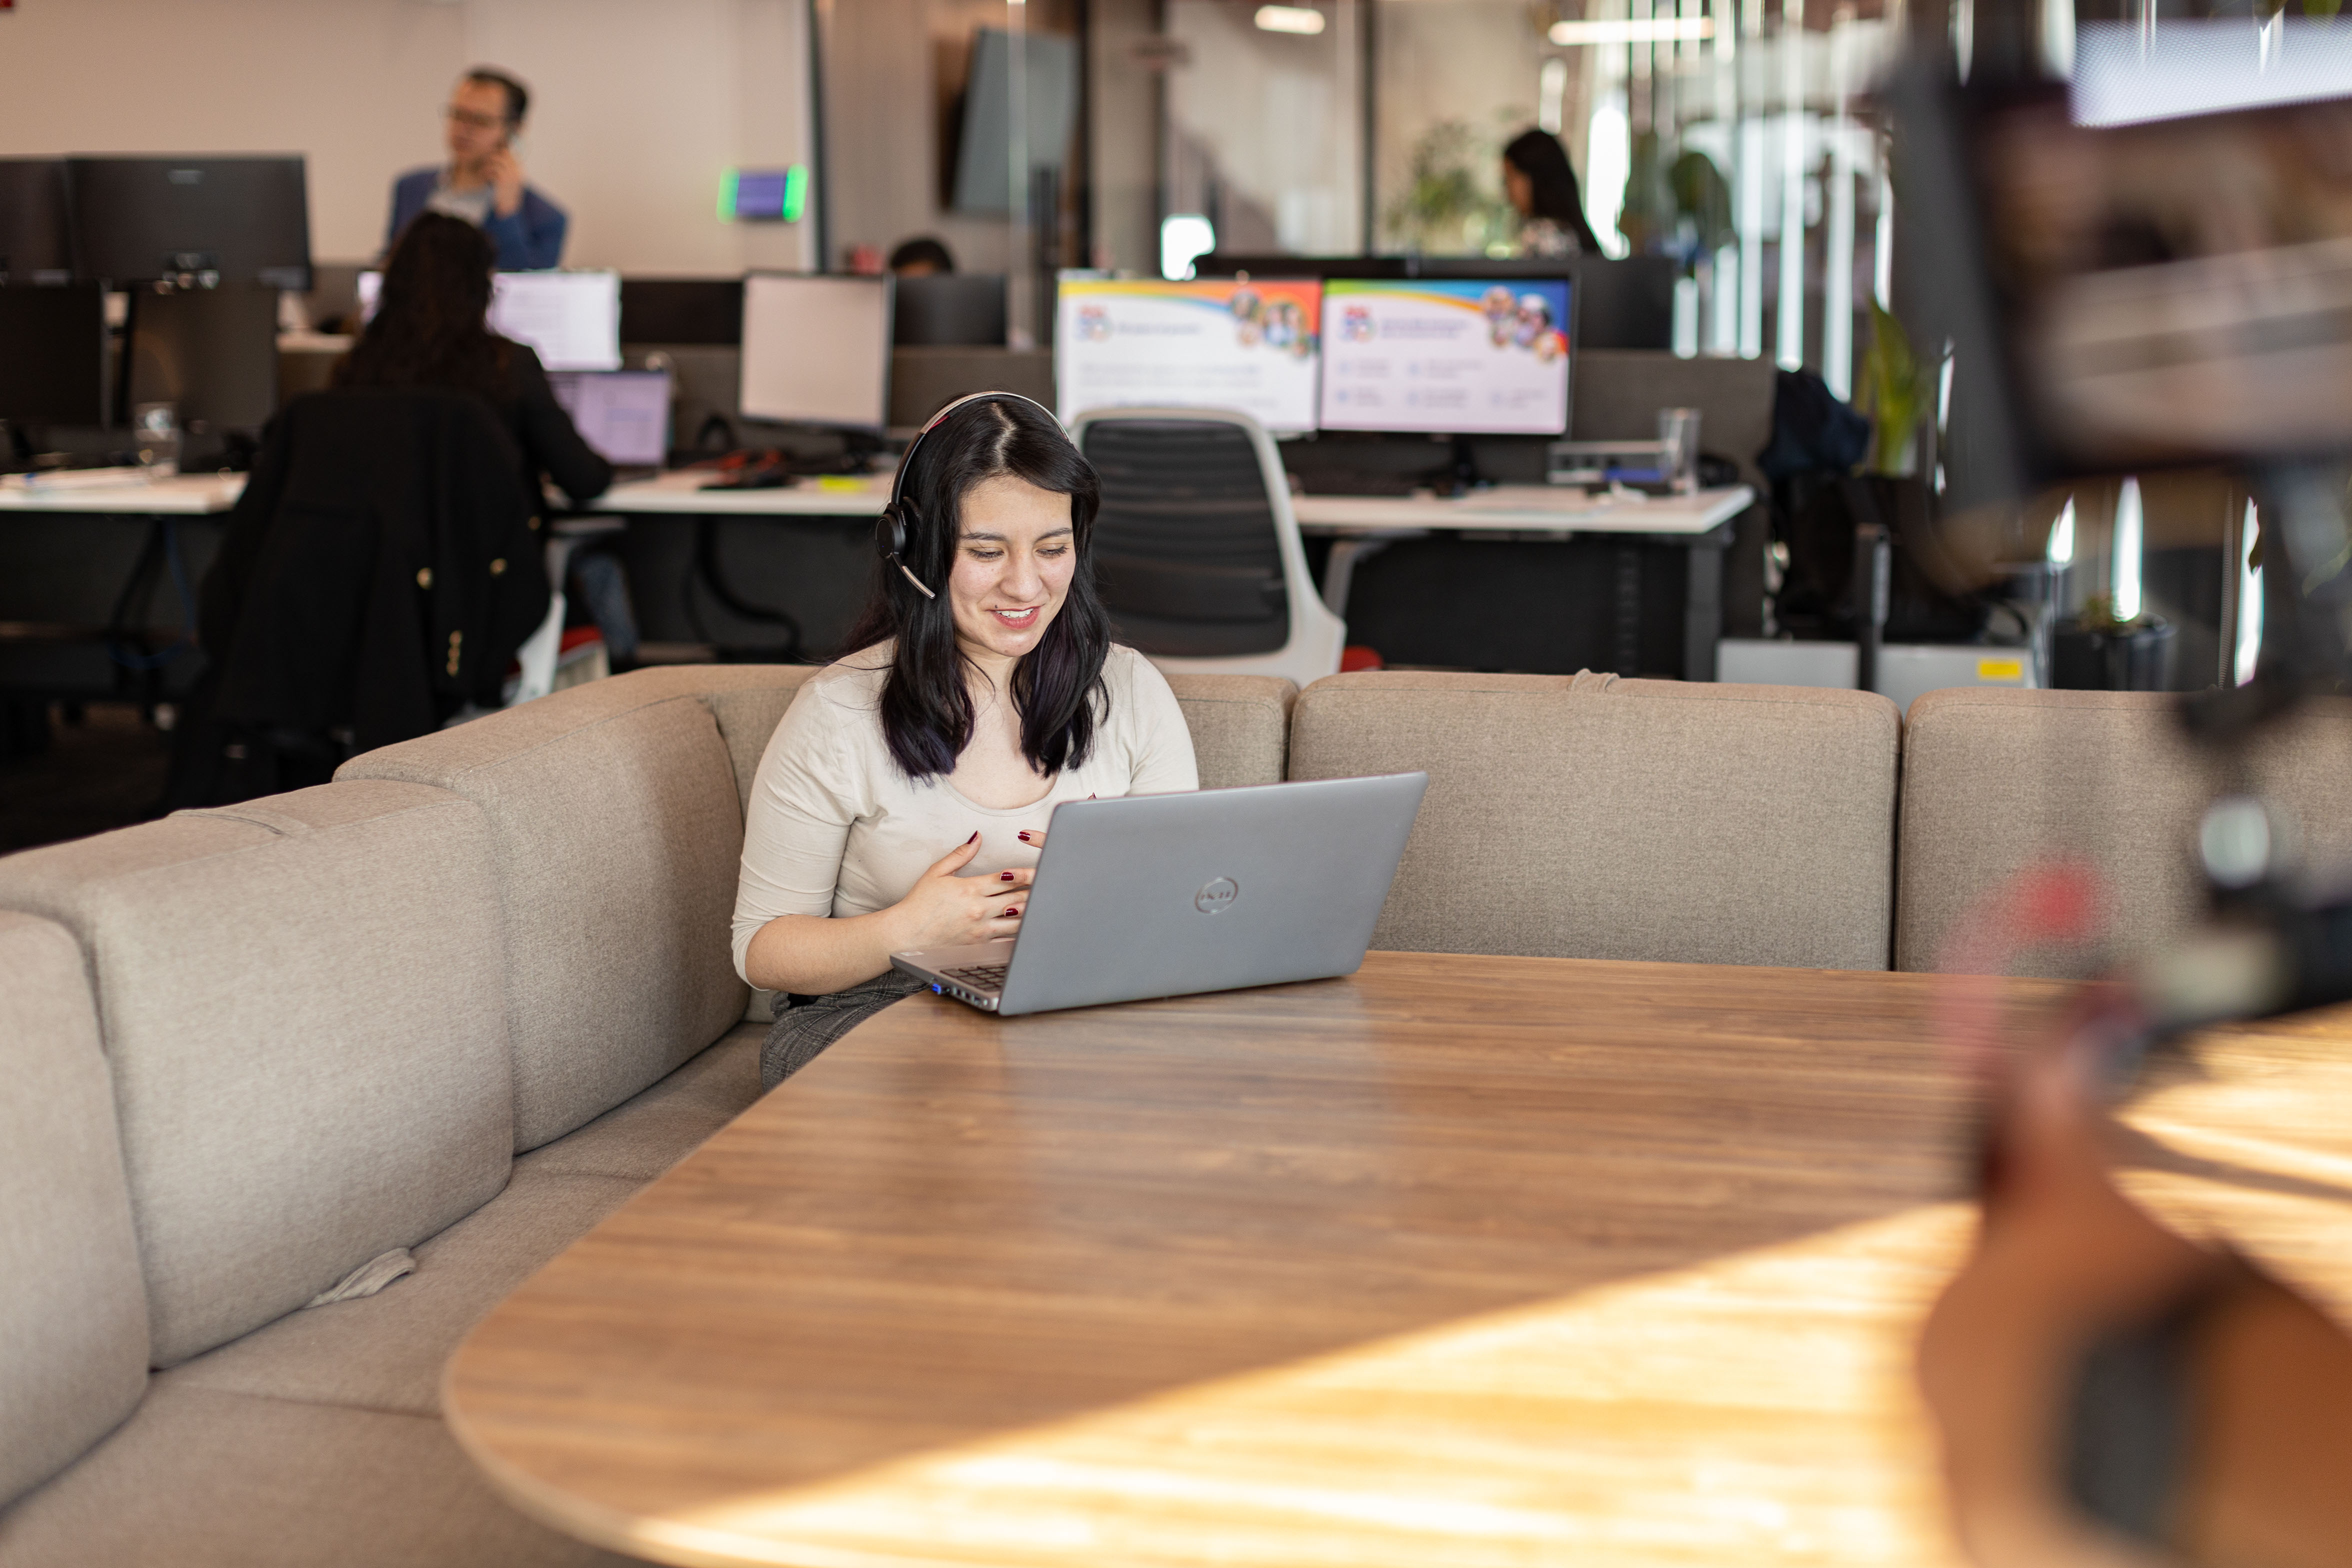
(899, 517)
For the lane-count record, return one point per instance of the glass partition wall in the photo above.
(1736, 136)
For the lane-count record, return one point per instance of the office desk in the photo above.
(1361, 526)
(83, 576)
(184, 495)
(681, 492)
(1484, 1262)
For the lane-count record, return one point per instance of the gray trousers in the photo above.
(809, 1024)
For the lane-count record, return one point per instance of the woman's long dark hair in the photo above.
(1539, 155)
(430, 327)
(1058, 687)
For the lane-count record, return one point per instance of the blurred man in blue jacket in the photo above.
(483, 181)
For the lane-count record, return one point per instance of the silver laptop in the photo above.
(1164, 895)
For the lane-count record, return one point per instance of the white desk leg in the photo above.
(1347, 549)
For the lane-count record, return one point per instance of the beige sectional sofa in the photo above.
(469, 997)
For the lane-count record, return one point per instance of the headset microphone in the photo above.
(894, 527)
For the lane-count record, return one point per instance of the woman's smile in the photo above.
(1019, 618)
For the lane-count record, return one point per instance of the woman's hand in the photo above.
(814, 954)
(944, 909)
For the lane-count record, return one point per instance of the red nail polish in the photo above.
(1010, 914)
(1022, 835)
(975, 836)
(1004, 875)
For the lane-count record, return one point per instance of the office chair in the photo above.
(380, 573)
(1199, 553)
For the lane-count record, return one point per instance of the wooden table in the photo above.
(1460, 1262)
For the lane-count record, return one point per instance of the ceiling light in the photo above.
(1302, 19)
(1656, 31)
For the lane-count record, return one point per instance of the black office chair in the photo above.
(1197, 552)
(378, 574)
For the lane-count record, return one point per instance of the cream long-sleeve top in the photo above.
(834, 827)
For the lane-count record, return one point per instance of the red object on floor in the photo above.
(1356, 655)
(574, 636)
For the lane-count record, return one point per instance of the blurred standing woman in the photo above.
(1541, 185)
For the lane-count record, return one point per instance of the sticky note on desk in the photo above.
(841, 484)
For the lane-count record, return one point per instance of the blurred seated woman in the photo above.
(902, 801)
(431, 329)
(1540, 183)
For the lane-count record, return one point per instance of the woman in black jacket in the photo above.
(431, 329)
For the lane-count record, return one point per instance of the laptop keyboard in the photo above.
(991, 974)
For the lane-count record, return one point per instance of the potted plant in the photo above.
(2098, 651)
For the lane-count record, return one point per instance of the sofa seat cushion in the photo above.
(386, 1352)
(300, 1001)
(617, 835)
(200, 1477)
(1588, 816)
(73, 1313)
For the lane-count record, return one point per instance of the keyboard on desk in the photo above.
(988, 974)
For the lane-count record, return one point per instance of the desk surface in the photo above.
(184, 495)
(1479, 1262)
(1519, 509)
(1515, 507)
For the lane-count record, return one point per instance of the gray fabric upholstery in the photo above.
(748, 715)
(617, 831)
(640, 1140)
(203, 1478)
(386, 1352)
(73, 1314)
(1240, 725)
(1997, 780)
(299, 1003)
(1593, 817)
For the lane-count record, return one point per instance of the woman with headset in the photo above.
(902, 801)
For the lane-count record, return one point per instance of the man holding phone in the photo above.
(483, 181)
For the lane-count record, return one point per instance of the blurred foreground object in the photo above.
(2110, 1393)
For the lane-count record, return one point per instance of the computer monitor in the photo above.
(949, 310)
(570, 320)
(243, 220)
(52, 353)
(1455, 356)
(682, 311)
(573, 319)
(36, 238)
(1205, 343)
(212, 353)
(816, 349)
(622, 415)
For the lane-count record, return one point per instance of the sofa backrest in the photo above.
(1997, 780)
(1240, 724)
(73, 1315)
(615, 829)
(1588, 817)
(298, 999)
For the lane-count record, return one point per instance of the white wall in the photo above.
(637, 107)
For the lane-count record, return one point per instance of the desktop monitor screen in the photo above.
(246, 219)
(816, 349)
(949, 310)
(570, 320)
(1251, 346)
(52, 353)
(1458, 356)
(622, 415)
(36, 240)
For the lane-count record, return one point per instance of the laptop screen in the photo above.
(624, 415)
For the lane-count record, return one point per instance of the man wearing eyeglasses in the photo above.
(483, 181)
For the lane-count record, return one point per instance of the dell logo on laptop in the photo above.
(1216, 895)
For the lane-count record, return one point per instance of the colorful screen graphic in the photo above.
(1250, 345)
(1483, 356)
